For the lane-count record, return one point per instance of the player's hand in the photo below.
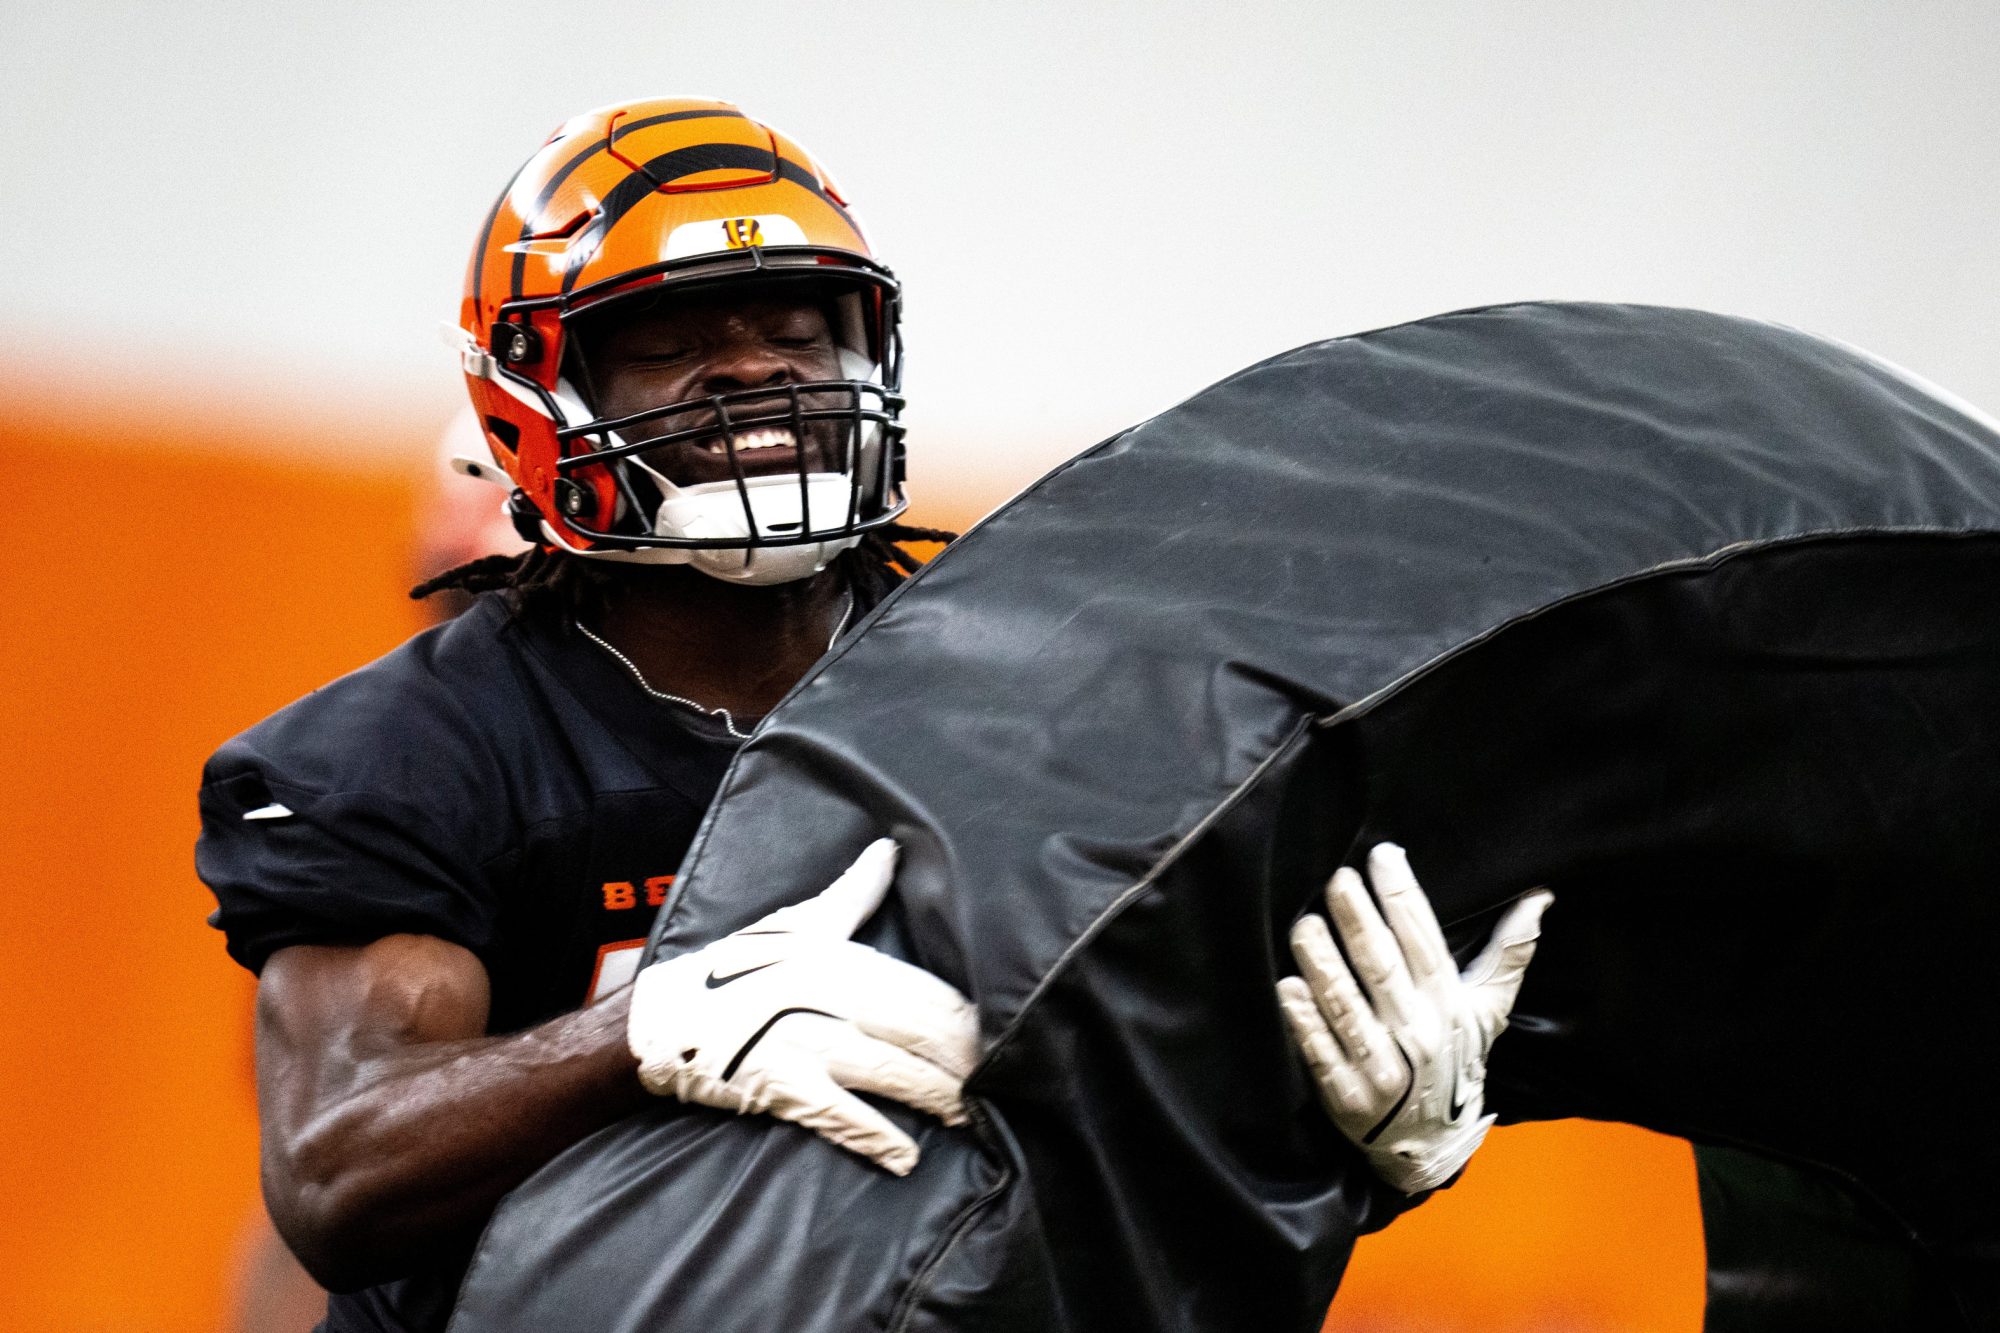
(788, 1015)
(1401, 1057)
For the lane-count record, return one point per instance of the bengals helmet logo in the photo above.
(742, 233)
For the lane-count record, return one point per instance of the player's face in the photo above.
(701, 345)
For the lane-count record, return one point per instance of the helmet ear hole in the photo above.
(505, 432)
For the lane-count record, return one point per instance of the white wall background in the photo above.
(1097, 207)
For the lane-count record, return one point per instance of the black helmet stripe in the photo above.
(568, 169)
(625, 196)
(486, 240)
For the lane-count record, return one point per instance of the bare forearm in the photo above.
(420, 1141)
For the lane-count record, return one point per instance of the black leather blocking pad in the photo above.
(1677, 613)
(1772, 851)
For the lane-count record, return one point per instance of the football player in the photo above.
(685, 361)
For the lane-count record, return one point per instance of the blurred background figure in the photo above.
(459, 518)
(272, 1294)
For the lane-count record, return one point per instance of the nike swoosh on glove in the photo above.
(789, 1017)
(1400, 1058)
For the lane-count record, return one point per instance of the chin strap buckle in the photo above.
(472, 358)
(526, 518)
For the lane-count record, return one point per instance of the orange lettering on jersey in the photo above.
(656, 889)
(619, 894)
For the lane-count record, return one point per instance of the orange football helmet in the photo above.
(649, 199)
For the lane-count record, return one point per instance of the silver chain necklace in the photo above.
(728, 722)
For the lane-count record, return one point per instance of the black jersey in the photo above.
(497, 782)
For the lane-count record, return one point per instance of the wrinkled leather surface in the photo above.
(1682, 614)
(1791, 1251)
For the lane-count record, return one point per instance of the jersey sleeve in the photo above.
(357, 813)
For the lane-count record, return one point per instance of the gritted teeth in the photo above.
(768, 438)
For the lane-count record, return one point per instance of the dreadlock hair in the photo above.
(545, 581)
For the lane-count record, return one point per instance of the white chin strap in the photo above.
(714, 510)
(778, 505)
(755, 566)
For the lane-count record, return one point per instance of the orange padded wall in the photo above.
(169, 595)
(1568, 1227)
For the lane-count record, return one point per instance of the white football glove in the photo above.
(1402, 1069)
(786, 1014)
